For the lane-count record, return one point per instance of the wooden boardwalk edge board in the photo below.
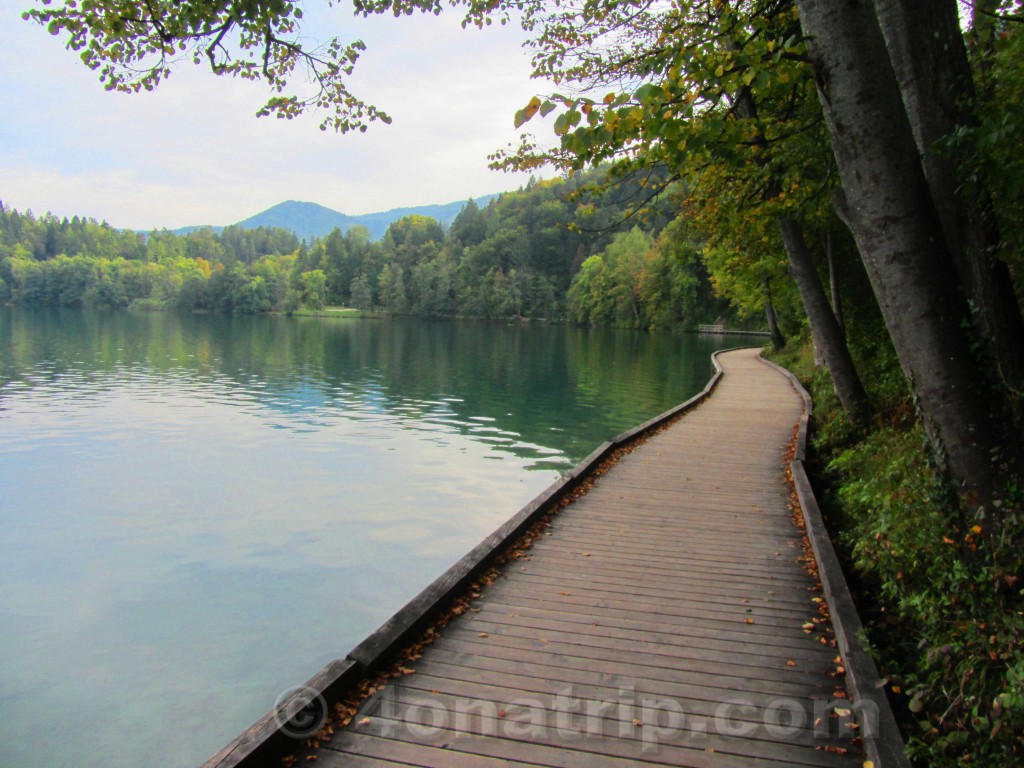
(265, 740)
(883, 742)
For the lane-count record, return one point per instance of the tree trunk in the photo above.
(930, 62)
(910, 265)
(778, 340)
(828, 339)
(833, 278)
(828, 335)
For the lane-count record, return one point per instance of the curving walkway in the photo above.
(660, 621)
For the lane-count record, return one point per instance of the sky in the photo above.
(192, 152)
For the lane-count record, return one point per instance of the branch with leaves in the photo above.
(134, 45)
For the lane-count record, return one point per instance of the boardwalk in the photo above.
(660, 621)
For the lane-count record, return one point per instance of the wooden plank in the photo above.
(764, 627)
(647, 655)
(680, 589)
(705, 624)
(670, 610)
(585, 691)
(761, 673)
(544, 747)
(780, 563)
(615, 734)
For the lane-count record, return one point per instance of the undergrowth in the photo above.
(943, 606)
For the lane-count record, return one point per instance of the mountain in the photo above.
(310, 220)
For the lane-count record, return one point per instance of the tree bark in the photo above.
(833, 278)
(929, 58)
(828, 335)
(908, 261)
(778, 340)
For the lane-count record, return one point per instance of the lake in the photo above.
(199, 512)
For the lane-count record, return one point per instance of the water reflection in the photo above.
(201, 511)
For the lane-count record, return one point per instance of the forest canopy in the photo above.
(519, 256)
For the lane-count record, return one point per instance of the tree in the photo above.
(929, 59)
(391, 287)
(889, 208)
(470, 226)
(362, 293)
(314, 288)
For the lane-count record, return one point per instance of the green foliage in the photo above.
(314, 288)
(990, 149)
(83, 263)
(517, 257)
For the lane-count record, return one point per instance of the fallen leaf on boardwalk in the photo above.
(790, 663)
(565, 593)
(637, 722)
(501, 713)
(585, 554)
(834, 750)
(483, 634)
(843, 712)
(365, 721)
(748, 621)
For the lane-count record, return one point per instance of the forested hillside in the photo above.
(553, 250)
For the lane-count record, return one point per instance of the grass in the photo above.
(335, 312)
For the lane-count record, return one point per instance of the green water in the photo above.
(200, 512)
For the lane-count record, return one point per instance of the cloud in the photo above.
(193, 152)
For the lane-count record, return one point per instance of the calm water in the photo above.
(199, 512)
